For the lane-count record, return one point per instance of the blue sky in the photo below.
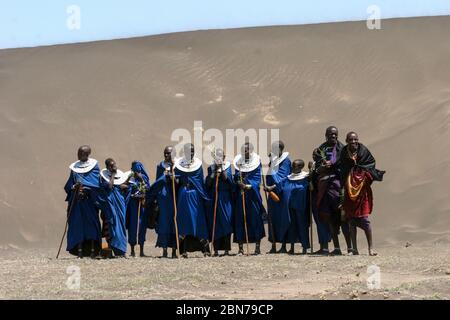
(26, 23)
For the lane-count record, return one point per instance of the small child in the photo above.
(294, 198)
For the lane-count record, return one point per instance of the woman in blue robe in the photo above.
(161, 192)
(280, 168)
(115, 196)
(249, 164)
(84, 231)
(223, 226)
(191, 198)
(294, 203)
(139, 184)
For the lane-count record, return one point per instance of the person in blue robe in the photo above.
(191, 203)
(280, 168)
(84, 231)
(139, 184)
(160, 197)
(248, 164)
(294, 206)
(114, 205)
(220, 172)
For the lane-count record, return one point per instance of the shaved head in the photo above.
(168, 154)
(246, 150)
(331, 135)
(277, 147)
(350, 134)
(168, 149)
(330, 128)
(109, 161)
(189, 151)
(84, 152)
(298, 165)
(219, 156)
(352, 140)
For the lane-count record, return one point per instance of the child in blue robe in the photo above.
(115, 196)
(139, 184)
(294, 204)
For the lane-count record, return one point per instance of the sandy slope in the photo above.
(123, 97)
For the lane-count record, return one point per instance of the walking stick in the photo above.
(175, 212)
(310, 165)
(245, 212)
(74, 199)
(269, 215)
(215, 211)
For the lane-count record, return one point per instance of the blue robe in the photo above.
(275, 209)
(191, 200)
(84, 222)
(132, 209)
(294, 202)
(115, 207)
(161, 190)
(224, 212)
(254, 208)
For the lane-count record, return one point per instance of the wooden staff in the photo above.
(175, 212)
(74, 199)
(310, 166)
(245, 212)
(138, 218)
(269, 215)
(215, 211)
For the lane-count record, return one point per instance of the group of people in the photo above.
(190, 212)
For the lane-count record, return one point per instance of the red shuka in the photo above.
(361, 205)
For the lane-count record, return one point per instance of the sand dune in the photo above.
(125, 97)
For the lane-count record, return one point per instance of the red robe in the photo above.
(358, 200)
